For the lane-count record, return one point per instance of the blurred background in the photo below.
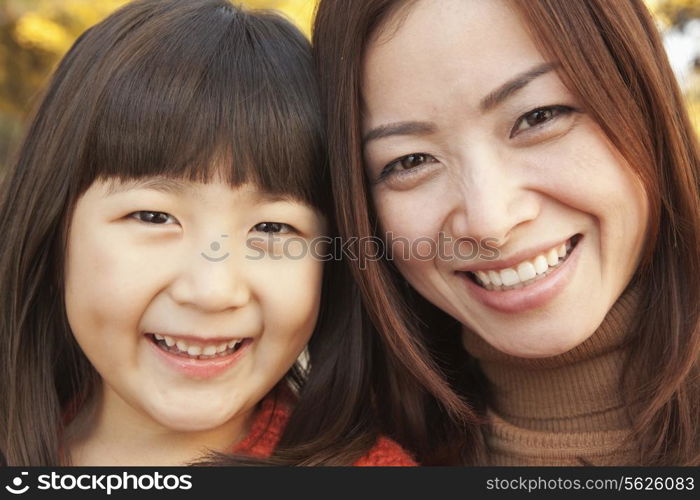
(34, 34)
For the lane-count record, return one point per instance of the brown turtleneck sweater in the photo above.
(565, 409)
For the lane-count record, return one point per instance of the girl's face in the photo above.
(472, 140)
(191, 300)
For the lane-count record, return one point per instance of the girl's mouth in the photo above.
(197, 351)
(526, 272)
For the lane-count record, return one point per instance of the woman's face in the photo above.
(472, 140)
(191, 300)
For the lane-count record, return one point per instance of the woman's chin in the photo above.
(536, 342)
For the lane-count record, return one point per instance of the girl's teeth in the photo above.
(485, 278)
(194, 350)
(202, 352)
(553, 257)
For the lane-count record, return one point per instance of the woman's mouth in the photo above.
(529, 284)
(526, 272)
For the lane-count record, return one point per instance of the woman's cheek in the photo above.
(411, 221)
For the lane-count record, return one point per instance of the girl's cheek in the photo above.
(289, 295)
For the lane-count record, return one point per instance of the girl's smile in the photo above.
(199, 357)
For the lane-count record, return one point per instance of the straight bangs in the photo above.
(216, 93)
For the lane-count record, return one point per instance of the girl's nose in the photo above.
(212, 284)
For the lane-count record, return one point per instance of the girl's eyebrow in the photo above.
(268, 197)
(178, 187)
(163, 184)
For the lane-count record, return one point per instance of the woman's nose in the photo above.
(490, 199)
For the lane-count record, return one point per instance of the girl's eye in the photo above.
(538, 117)
(153, 217)
(406, 163)
(273, 227)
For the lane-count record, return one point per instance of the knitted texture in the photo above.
(561, 410)
(271, 419)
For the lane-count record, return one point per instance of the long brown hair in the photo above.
(185, 89)
(611, 55)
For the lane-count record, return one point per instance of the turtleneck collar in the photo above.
(577, 391)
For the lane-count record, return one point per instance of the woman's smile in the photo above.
(529, 284)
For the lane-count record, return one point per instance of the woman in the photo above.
(536, 178)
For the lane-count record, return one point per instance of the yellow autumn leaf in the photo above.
(35, 30)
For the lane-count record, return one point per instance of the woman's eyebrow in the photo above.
(162, 184)
(513, 85)
(491, 100)
(399, 128)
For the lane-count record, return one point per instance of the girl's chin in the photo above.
(199, 422)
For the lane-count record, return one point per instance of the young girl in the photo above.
(554, 134)
(157, 274)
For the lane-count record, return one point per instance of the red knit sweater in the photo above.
(269, 424)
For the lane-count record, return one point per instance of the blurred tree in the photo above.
(675, 12)
(676, 18)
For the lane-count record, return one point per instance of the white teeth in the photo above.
(541, 264)
(562, 250)
(194, 350)
(483, 277)
(526, 271)
(198, 350)
(509, 277)
(209, 350)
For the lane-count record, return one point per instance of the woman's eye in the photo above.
(153, 217)
(538, 117)
(273, 227)
(406, 163)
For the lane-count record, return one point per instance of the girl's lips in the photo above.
(529, 297)
(199, 368)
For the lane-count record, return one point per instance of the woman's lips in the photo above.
(531, 296)
(196, 367)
